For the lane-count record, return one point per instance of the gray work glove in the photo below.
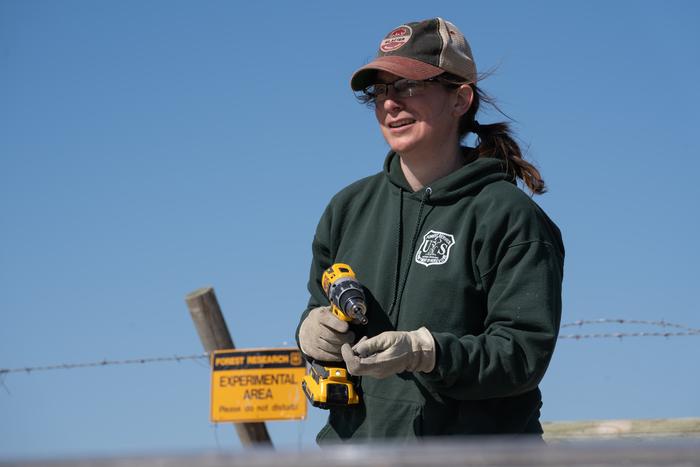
(391, 352)
(321, 335)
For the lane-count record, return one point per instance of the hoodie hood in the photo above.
(471, 178)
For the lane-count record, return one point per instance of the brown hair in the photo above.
(495, 139)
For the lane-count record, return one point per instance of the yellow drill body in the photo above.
(328, 385)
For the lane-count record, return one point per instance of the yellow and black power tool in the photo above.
(345, 294)
(327, 384)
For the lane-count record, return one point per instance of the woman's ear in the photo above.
(465, 96)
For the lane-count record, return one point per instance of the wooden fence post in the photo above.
(213, 332)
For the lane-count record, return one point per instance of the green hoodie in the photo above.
(477, 262)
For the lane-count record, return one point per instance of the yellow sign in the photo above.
(257, 385)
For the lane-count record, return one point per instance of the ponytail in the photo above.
(495, 140)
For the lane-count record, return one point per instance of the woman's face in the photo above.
(420, 123)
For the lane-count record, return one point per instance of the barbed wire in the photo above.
(687, 331)
(132, 361)
(661, 323)
(620, 335)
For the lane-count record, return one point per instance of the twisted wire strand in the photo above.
(132, 361)
(661, 323)
(620, 335)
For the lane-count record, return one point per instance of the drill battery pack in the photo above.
(329, 387)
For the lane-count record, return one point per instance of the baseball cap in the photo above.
(420, 50)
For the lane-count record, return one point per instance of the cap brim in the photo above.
(404, 67)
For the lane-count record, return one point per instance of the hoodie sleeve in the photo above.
(320, 261)
(521, 267)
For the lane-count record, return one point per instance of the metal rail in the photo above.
(455, 452)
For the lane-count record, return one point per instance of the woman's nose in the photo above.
(391, 102)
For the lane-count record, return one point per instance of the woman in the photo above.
(462, 270)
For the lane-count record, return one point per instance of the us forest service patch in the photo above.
(435, 248)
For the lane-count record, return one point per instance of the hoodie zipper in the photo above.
(398, 290)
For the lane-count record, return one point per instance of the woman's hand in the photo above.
(321, 335)
(391, 352)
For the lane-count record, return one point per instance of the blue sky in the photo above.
(151, 148)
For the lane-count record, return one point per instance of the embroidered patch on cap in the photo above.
(396, 39)
(435, 248)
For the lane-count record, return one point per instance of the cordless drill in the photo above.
(328, 385)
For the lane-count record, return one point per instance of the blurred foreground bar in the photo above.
(607, 429)
(667, 452)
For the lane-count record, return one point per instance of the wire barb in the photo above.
(2, 383)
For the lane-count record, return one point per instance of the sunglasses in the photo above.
(403, 88)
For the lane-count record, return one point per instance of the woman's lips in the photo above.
(401, 123)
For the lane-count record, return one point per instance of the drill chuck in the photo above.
(347, 294)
